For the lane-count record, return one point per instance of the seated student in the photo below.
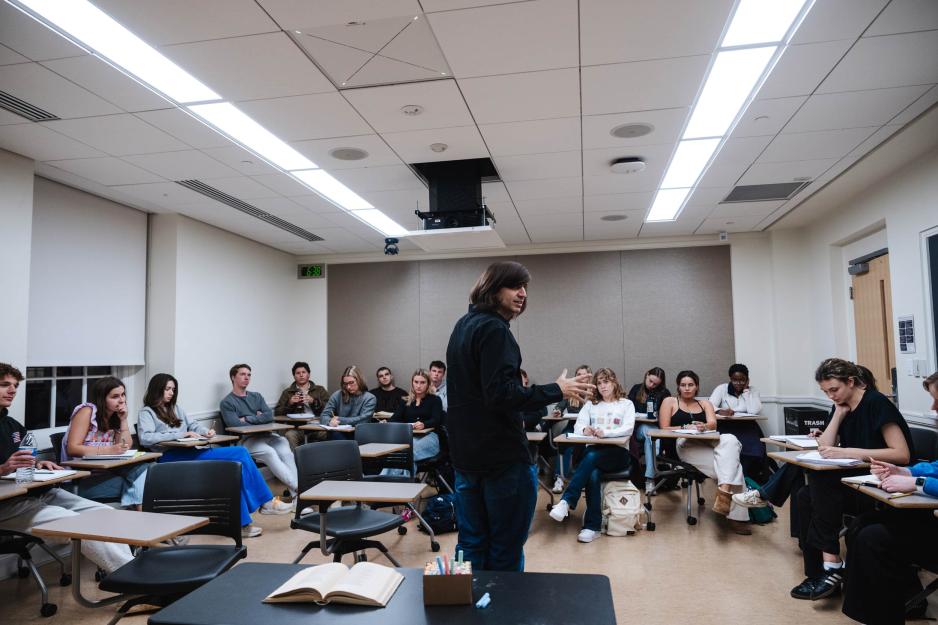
(738, 396)
(437, 371)
(161, 420)
(609, 414)
(652, 390)
(865, 425)
(570, 454)
(351, 405)
(533, 422)
(885, 545)
(303, 396)
(425, 410)
(244, 407)
(719, 461)
(387, 396)
(100, 427)
(43, 505)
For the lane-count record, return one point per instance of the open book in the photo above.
(862, 480)
(383, 414)
(302, 416)
(817, 458)
(801, 440)
(365, 583)
(692, 432)
(44, 475)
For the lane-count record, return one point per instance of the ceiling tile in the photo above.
(838, 19)
(745, 209)
(555, 228)
(318, 151)
(904, 16)
(667, 124)
(641, 86)
(183, 165)
(599, 179)
(683, 226)
(114, 86)
(550, 206)
(873, 141)
(432, 6)
(767, 117)
(283, 184)
(729, 224)
(243, 188)
(417, 45)
(814, 145)
(802, 68)
(365, 179)
(9, 57)
(414, 146)
(342, 240)
(853, 109)
(790, 171)
(367, 36)
(705, 199)
(252, 67)
(118, 135)
(31, 39)
(315, 203)
(107, 171)
(167, 194)
(532, 137)
(307, 117)
(517, 97)
(302, 14)
(401, 201)
(340, 61)
(621, 32)
(184, 127)
(41, 144)
(595, 229)
(518, 37)
(733, 160)
(244, 162)
(917, 108)
(539, 189)
(382, 70)
(539, 166)
(442, 104)
(179, 21)
(888, 61)
(47, 90)
(495, 192)
(618, 203)
(509, 226)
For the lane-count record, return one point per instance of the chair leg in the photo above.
(374, 544)
(306, 549)
(439, 476)
(434, 546)
(37, 576)
(932, 587)
(122, 611)
(55, 557)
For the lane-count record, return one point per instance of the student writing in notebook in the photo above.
(351, 405)
(652, 390)
(99, 427)
(609, 414)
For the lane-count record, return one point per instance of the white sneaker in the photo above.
(276, 506)
(308, 510)
(251, 531)
(649, 487)
(750, 499)
(558, 485)
(560, 511)
(587, 536)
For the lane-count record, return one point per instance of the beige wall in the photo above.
(627, 310)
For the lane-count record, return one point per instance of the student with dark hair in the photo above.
(302, 397)
(718, 461)
(99, 427)
(161, 420)
(387, 395)
(736, 395)
(351, 405)
(244, 407)
(653, 389)
(437, 370)
(496, 484)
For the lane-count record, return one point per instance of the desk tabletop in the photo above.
(376, 450)
(258, 428)
(709, 436)
(423, 431)
(908, 502)
(282, 418)
(641, 418)
(384, 492)
(77, 475)
(564, 439)
(563, 417)
(235, 598)
(536, 437)
(744, 417)
(786, 444)
(121, 526)
(382, 415)
(91, 463)
(9, 489)
(198, 442)
(791, 457)
(318, 427)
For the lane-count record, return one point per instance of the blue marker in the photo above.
(439, 564)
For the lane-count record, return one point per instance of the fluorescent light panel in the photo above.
(667, 204)
(688, 162)
(380, 222)
(94, 29)
(332, 189)
(761, 21)
(231, 121)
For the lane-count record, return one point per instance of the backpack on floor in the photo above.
(440, 514)
(760, 515)
(623, 512)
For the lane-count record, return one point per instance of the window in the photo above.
(53, 392)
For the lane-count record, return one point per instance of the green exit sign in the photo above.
(304, 272)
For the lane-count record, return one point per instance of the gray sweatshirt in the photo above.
(153, 431)
(232, 408)
(358, 409)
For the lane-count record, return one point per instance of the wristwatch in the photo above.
(920, 485)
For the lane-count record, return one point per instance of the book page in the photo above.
(372, 584)
(869, 480)
(814, 456)
(130, 453)
(311, 584)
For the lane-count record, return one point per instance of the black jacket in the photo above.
(486, 397)
(12, 433)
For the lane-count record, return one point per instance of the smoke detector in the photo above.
(438, 147)
(412, 110)
(627, 165)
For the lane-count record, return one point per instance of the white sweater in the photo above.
(748, 401)
(613, 418)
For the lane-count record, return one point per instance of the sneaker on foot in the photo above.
(750, 499)
(560, 511)
(828, 584)
(177, 541)
(805, 589)
(276, 506)
(558, 485)
(587, 536)
(649, 487)
(251, 531)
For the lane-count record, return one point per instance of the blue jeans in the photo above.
(126, 483)
(494, 512)
(599, 459)
(641, 435)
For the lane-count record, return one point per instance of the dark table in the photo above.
(234, 598)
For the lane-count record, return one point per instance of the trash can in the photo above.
(803, 419)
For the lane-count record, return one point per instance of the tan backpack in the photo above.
(623, 512)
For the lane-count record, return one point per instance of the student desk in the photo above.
(786, 444)
(77, 475)
(791, 457)
(147, 529)
(382, 416)
(571, 417)
(318, 427)
(747, 417)
(642, 417)
(200, 442)
(905, 502)
(377, 450)
(10, 489)
(517, 598)
(564, 439)
(282, 418)
(259, 428)
(423, 431)
(89, 462)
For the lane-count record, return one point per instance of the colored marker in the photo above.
(439, 565)
(446, 569)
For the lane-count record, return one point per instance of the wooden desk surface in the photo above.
(382, 416)
(198, 442)
(77, 475)
(258, 428)
(639, 419)
(791, 457)
(384, 492)
(563, 439)
(536, 437)
(121, 526)
(282, 418)
(911, 502)
(9, 489)
(786, 444)
(748, 417)
(376, 450)
(709, 436)
(564, 417)
(91, 463)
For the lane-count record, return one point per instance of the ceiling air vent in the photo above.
(200, 187)
(24, 109)
(766, 192)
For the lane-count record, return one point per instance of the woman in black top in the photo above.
(865, 425)
(425, 410)
(652, 391)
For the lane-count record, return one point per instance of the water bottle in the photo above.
(25, 475)
(650, 409)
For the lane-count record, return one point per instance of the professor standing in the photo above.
(496, 481)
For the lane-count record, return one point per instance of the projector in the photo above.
(439, 220)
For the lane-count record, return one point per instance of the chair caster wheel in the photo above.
(648, 507)
(402, 530)
(700, 501)
(99, 575)
(548, 507)
(691, 520)
(434, 546)
(65, 580)
(650, 526)
(22, 572)
(48, 609)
